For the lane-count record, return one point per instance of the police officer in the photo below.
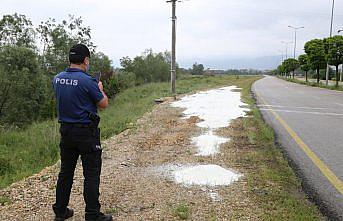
(78, 96)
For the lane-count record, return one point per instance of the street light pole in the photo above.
(286, 43)
(327, 66)
(173, 55)
(295, 38)
(341, 77)
(281, 51)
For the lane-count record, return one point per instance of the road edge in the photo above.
(312, 194)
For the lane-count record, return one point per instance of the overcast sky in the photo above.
(208, 31)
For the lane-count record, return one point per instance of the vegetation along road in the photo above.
(140, 163)
(308, 122)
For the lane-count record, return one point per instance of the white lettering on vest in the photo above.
(70, 82)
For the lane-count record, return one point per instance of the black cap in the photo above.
(78, 53)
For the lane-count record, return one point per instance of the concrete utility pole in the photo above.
(328, 66)
(173, 56)
(295, 38)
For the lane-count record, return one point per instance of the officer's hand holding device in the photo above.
(98, 76)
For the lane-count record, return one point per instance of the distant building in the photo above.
(210, 72)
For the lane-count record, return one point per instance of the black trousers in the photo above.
(85, 142)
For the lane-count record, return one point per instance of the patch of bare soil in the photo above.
(131, 188)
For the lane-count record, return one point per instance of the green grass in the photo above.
(28, 151)
(4, 200)
(182, 211)
(112, 211)
(273, 184)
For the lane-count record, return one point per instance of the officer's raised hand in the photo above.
(101, 87)
(102, 104)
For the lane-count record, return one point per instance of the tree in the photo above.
(127, 64)
(149, 67)
(291, 65)
(281, 69)
(333, 47)
(23, 88)
(198, 69)
(304, 64)
(316, 54)
(26, 69)
(16, 30)
(101, 63)
(58, 38)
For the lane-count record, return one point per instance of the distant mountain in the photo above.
(260, 63)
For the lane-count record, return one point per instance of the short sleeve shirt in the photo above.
(77, 94)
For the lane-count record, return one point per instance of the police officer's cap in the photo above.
(78, 53)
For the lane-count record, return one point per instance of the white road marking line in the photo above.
(339, 104)
(314, 108)
(303, 112)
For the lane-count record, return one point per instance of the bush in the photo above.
(126, 79)
(111, 86)
(23, 87)
(118, 82)
(149, 67)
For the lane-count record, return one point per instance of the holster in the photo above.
(95, 121)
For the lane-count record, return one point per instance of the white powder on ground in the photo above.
(208, 144)
(207, 175)
(216, 108)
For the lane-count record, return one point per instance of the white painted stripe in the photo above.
(303, 112)
(339, 104)
(314, 108)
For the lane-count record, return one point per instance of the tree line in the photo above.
(318, 53)
(31, 55)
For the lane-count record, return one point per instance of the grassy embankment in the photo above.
(273, 184)
(313, 84)
(25, 152)
(279, 192)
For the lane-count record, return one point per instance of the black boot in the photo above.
(69, 213)
(102, 217)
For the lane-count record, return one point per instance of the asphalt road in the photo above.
(308, 122)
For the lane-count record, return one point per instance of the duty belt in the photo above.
(78, 125)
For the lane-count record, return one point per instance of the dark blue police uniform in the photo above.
(77, 95)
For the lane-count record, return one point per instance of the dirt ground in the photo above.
(132, 186)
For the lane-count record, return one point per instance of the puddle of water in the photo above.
(205, 175)
(216, 108)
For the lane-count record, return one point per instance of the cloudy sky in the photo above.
(218, 33)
